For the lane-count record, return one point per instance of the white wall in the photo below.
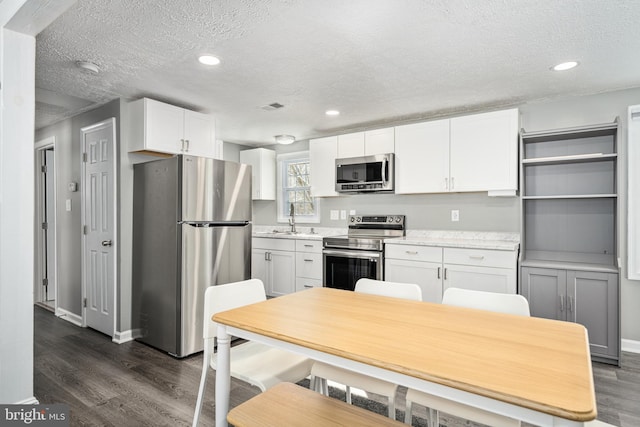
(17, 56)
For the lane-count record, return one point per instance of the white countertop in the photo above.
(503, 241)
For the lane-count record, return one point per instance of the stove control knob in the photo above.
(389, 219)
(398, 219)
(353, 218)
(358, 219)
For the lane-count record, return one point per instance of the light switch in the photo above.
(343, 214)
(335, 215)
(455, 215)
(68, 205)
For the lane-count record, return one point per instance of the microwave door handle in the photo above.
(384, 172)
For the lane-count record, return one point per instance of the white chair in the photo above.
(492, 301)
(259, 365)
(321, 372)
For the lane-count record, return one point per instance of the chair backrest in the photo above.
(226, 297)
(491, 301)
(389, 289)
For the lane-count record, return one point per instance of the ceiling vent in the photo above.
(271, 107)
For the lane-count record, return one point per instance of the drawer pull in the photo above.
(308, 260)
(478, 257)
(411, 252)
(308, 286)
(308, 246)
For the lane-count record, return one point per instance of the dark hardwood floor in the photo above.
(131, 384)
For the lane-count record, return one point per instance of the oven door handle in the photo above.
(354, 254)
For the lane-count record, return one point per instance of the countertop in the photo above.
(503, 241)
(460, 239)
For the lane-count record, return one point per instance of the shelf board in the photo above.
(572, 196)
(564, 265)
(570, 133)
(578, 158)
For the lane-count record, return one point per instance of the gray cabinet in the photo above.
(569, 268)
(585, 297)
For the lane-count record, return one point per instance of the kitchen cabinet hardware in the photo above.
(478, 257)
(308, 260)
(411, 252)
(106, 243)
(439, 272)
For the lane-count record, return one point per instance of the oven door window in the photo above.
(343, 272)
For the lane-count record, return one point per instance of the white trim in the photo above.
(40, 146)
(631, 346)
(69, 316)
(124, 336)
(633, 193)
(30, 401)
(116, 252)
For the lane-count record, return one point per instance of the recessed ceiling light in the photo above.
(565, 66)
(209, 60)
(332, 113)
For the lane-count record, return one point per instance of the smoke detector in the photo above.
(88, 67)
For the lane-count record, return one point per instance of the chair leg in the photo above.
(407, 412)
(312, 383)
(206, 358)
(348, 391)
(325, 387)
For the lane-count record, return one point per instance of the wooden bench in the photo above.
(287, 404)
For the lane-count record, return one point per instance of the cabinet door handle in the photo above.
(411, 252)
(445, 274)
(452, 184)
(478, 257)
(187, 141)
(561, 303)
(446, 183)
(438, 272)
(266, 256)
(569, 304)
(182, 147)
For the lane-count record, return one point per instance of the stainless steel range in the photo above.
(360, 253)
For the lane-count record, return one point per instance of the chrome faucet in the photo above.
(292, 218)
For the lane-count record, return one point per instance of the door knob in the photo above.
(106, 243)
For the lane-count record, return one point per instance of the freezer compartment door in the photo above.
(210, 256)
(215, 190)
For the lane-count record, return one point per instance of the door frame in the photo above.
(83, 215)
(40, 244)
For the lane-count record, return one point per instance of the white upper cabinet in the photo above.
(484, 152)
(422, 157)
(163, 128)
(263, 172)
(463, 154)
(358, 144)
(351, 145)
(322, 156)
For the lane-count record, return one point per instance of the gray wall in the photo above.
(68, 151)
(478, 212)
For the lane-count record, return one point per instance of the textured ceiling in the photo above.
(377, 61)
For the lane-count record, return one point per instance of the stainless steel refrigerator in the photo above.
(191, 230)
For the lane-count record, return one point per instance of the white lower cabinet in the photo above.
(308, 264)
(435, 269)
(274, 262)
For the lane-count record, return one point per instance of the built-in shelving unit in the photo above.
(569, 262)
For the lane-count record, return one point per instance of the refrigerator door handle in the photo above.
(207, 224)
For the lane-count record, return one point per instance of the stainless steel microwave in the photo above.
(365, 174)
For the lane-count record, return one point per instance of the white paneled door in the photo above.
(99, 226)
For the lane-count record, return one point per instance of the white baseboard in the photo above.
(30, 401)
(631, 346)
(69, 317)
(124, 336)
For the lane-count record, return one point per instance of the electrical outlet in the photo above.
(343, 214)
(352, 212)
(335, 215)
(68, 205)
(455, 215)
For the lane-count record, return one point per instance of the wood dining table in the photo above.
(532, 369)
